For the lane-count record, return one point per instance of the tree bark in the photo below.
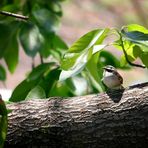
(113, 119)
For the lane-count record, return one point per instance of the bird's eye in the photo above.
(109, 70)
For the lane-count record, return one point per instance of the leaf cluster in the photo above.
(76, 70)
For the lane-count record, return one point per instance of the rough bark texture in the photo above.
(113, 119)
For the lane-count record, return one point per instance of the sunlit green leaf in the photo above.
(94, 37)
(36, 93)
(97, 48)
(77, 85)
(123, 61)
(136, 27)
(69, 60)
(81, 51)
(95, 72)
(77, 67)
(138, 38)
(133, 51)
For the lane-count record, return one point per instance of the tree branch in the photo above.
(14, 15)
(87, 121)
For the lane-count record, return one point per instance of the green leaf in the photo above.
(144, 59)
(21, 91)
(97, 48)
(107, 58)
(60, 89)
(58, 43)
(138, 38)
(77, 86)
(50, 81)
(2, 73)
(31, 39)
(135, 27)
(55, 7)
(69, 60)
(3, 122)
(81, 51)
(94, 37)
(136, 52)
(95, 72)
(39, 71)
(133, 51)
(123, 61)
(36, 93)
(43, 75)
(47, 44)
(4, 38)
(77, 68)
(53, 45)
(11, 53)
(46, 20)
(10, 8)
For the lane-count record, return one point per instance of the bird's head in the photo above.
(109, 68)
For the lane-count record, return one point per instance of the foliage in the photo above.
(80, 70)
(3, 122)
(85, 55)
(84, 60)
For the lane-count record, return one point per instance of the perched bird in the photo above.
(111, 78)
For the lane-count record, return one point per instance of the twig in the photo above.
(41, 59)
(126, 57)
(33, 63)
(14, 15)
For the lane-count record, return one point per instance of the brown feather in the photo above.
(119, 77)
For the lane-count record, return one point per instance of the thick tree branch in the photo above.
(113, 119)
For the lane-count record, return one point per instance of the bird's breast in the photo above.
(111, 81)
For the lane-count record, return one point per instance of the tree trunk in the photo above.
(112, 119)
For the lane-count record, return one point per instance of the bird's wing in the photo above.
(120, 78)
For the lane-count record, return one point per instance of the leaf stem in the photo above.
(41, 59)
(33, 63)
(14, 15)
(126, 57)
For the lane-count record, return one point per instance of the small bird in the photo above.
(111, 78)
